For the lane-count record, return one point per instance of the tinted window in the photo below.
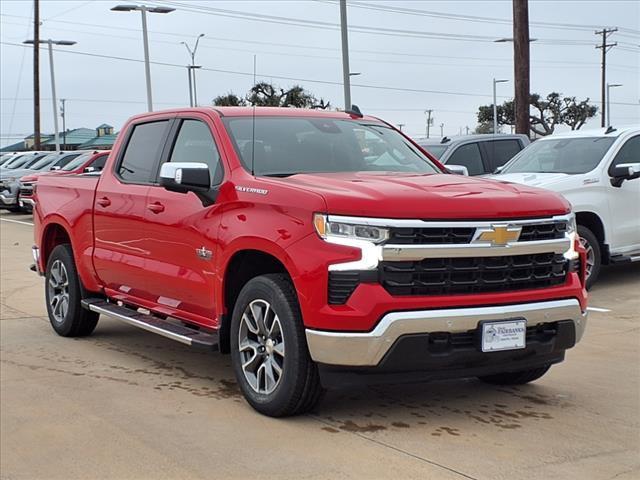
(435, 150)
(142, 152)
(286, 146)
(195, 144)
(500, 152)
(629, 153)
(47, 160)
(99, 162)
(64, 160)
(561, 155)
(16, 162)
(33, 161)
(468, 156)
(77, 162)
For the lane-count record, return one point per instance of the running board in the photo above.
(620, 258)
(154, 324)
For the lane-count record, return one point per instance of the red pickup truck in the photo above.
(306, 244)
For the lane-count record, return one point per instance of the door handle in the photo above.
(156, 207)
(103, 202)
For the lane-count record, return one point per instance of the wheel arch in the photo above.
(243, 265)
(594, 223)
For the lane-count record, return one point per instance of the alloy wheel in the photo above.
(262, 347)
(591, 256)
(58, 287)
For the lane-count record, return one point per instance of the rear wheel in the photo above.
(63, 295)
(516, 378)
(269, 350)
(594, 260)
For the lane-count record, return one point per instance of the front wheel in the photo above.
(63, 295)
(594, 260)
(516, 378)
(269, 351)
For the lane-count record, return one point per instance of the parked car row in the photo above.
(19, 172)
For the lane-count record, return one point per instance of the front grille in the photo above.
(430, 235)
(26, 190)
(543, 231)
(442, 276)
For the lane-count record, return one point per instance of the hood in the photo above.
(433, 196)
(541, 180)
(17, 173)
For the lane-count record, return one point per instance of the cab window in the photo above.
(469, 156)
(143, 151)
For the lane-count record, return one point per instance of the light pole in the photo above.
(495, 106)
(442, 130)
(193, 94)
(346, 76)
(63, 114)
(50, 43)
(429, 121)
(143, 9)
(609, 86)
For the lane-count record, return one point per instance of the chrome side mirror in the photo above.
(458, 169)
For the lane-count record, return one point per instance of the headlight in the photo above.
(327, 229)
(572, 232)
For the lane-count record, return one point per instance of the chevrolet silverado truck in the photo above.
(306, 243)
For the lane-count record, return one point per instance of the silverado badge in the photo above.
(204, 253)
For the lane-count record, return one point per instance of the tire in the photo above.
(66, 314)
(594, 256)
(516, 378)
(271, 342)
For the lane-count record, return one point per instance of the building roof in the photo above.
(16, 147)
(73, 137)
(104, 125)
(103, 141)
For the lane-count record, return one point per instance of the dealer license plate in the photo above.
(505, 335)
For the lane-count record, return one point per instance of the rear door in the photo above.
(182, 242)
(120, 208)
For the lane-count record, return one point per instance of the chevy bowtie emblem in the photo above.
(204, 253)
(498, 234)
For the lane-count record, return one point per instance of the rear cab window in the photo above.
(142, 152)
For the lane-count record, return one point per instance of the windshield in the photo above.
(435, 150)
(43, 162)
(33, 161)
(76, 162)
(562, 155)
(286, 146)
(12, 161)
(19, 162)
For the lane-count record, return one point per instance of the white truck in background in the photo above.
(598, 171)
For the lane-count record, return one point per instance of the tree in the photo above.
(545, 113)
(264, 94)
(229, 100)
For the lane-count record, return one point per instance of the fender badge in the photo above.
(259, 191)
(204, 253)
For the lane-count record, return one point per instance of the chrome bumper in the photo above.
(27, 201)
(368, 348)
(8, 200)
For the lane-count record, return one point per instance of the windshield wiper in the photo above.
(279, 175)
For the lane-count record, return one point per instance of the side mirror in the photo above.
(624, 171)
(499, 169)
(188, 177)
(57, 167)
(88, 169)
(458, 169)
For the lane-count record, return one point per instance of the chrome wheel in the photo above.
(261, 346)
(58, 289)
(591, 256)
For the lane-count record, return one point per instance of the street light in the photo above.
(53, 82)
(610, 85)
(191, 70)
(495, 106)
(143, 9)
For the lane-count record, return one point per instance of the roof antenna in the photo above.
(355, 111)
(253, 122)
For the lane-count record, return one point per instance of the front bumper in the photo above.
(369, 349)
(8, 199)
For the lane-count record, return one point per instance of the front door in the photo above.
(624, 202)
(182, 240)
(119, 212)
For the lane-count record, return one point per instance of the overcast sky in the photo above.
(440, 52)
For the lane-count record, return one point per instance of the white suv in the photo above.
(598, 171)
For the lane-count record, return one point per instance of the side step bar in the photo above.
(154, 324)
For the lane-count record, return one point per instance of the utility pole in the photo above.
(467, 130)
(191, 69)
(442, 129)
(521, 64)
(346, 77)
(64, 123)
(605, 47)
(428, 112)
(36, 75)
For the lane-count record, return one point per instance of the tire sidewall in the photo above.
(591, 239)
(261, 288)
(64, 254)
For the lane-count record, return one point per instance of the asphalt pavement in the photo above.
(127, 404)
